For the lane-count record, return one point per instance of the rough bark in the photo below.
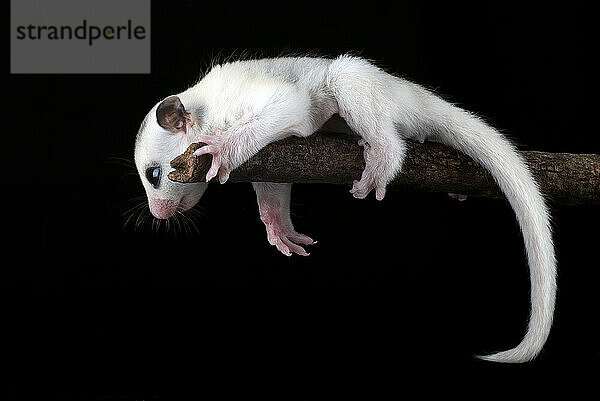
(337, 159)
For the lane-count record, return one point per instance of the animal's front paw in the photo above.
(216, 146)
(283, 237)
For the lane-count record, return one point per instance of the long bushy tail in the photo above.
(467, 133)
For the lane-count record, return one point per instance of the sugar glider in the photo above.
(239, 107)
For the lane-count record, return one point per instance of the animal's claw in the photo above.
(217, 147)
(284, 238)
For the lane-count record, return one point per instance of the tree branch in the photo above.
(337, 159)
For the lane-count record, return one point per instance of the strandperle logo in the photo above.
(80, 36)
(85, 31)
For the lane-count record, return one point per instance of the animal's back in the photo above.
(304, 71)
(243, 89)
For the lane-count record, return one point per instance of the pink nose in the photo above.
(163, 208)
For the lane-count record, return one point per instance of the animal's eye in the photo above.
(153, 175)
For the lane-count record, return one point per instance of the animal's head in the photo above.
(165, 133)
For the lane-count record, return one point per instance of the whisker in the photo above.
(176, 215)
(199, 211)
(136, 213)
(133, 211)
(190, 223)
(136, 206)
(121, 161)
(178, 230)
(140, 197)
(183, 223)
(130, 218)
(129, 174)
(142, 217)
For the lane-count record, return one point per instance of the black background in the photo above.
(409, 288)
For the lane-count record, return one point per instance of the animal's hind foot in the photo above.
(369, 179)
(360, 189)
(281, 235)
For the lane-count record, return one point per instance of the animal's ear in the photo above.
(172, 116)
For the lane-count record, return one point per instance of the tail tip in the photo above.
(510, 356)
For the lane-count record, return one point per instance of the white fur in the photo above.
(250, 104)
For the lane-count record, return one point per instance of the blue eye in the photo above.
(153, 175)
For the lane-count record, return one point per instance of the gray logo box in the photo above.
(80, 36)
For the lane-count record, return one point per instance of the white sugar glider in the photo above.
(239, 107)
